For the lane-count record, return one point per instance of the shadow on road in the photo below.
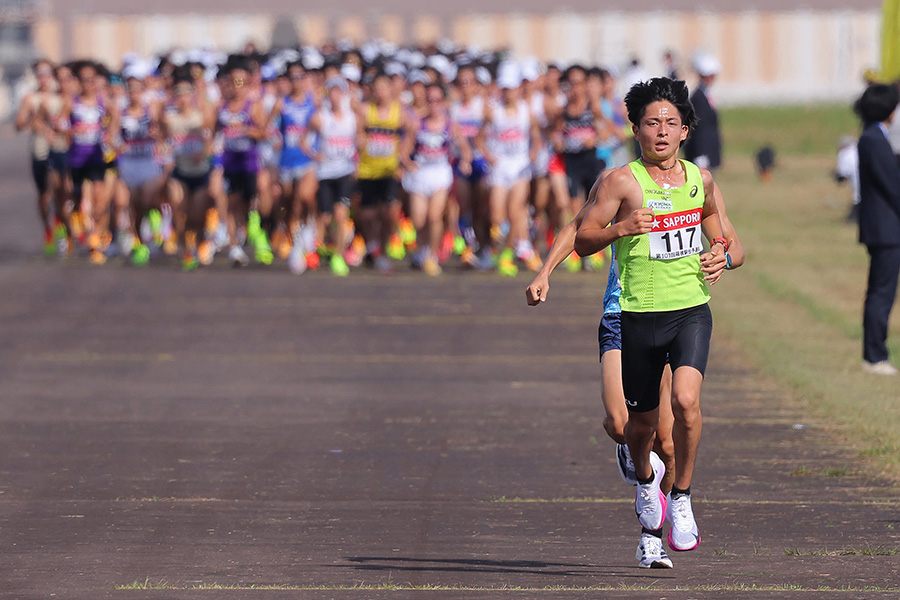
(471, 565)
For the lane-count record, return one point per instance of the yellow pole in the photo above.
(890, 40)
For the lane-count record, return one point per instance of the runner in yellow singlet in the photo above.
(662, 208)
(382, 124)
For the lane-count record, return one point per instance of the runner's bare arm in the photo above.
(405, 150)
(259, 122)
(155, 111)
(465, 150)
(602, 125)
(112, 134)
(622, 112)
(274, 113)
(535, 145)
(315, 124)
(556, 132)
(42, 125)
(355, 104)
(361, 127)
(25, 115)
(209, 117)
(481, 136)
(594, 235)
(62, 124)
(551, 110)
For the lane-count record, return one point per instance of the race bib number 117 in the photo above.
(676, 234)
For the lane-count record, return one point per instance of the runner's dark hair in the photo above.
(644, 93)
(182, 73)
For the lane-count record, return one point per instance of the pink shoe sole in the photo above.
(676, 549)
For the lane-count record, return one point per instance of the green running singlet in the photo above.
(660, 271)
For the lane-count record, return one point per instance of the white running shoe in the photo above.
(650, 503)
(625, 464)
(238, 257)
(651, 554)
(684, 534)
(880, 368)
(296, 260)
(126, 243)
(220, 237)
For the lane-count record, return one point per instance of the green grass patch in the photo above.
(867, 551)
(795, 308)
(567, 500)
(790, 130)
(827, 472)
(151, 499)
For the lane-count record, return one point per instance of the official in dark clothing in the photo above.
(704, 146)
(879, 221)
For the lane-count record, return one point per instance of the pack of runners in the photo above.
(320, 157)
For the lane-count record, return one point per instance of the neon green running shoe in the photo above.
(507, 268)
(395, 248)
(339, 265)
(140, 255)
(573, 263)
(597, 261)
(506, 264)
(459, 245)
(155, 219)
(263, 251)
(189, 262)
(253, 227)
(49, 245)
(59, 232)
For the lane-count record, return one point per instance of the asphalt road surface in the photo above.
(375, 437)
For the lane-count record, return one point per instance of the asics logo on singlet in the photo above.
(694, 191)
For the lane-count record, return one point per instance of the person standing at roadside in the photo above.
(704, 147)
(879, 221)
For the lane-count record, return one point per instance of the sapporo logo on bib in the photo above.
(676, 234)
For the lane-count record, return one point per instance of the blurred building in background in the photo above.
(771, 51)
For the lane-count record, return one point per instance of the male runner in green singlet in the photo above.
(660, 206)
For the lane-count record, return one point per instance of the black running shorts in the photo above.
(191, 182)
(376, 192)
(582, 170)
(40, 172)
(332, 191)
(241, 183)
(647, 338)
(92, 173)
